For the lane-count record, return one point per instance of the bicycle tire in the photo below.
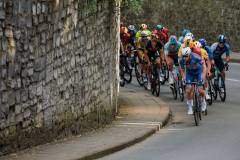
(181, 91)
(129, 73)
(139, 75)
(215, 90)
(164, 71)
(210, 101)
(195, 110)
(222, 95)
(174, 90)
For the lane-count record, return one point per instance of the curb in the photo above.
(124, 145)
(235, 60)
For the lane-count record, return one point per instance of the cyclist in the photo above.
(209, 62)
(218, 49)
(161, 33)
(181, 38)
(193, 63)
(143, 27)
(132, 33)
(152, 53)
(125, 37)
(142, 43)
(171, 50)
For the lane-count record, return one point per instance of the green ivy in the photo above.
(131, 7)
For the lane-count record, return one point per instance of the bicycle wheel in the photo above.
(127, 74)
(121, 74)
(174, 90)
(139, 72)
(215, 89)
(195, 109)
(153, 85)
(157, 83)
(164, 73)
(222, 90)
(210, 93)
(145, 81)
(181, 90)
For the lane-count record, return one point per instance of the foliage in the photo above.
(131, 7)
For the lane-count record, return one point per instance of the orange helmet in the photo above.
(123, 30)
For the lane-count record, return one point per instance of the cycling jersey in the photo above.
(172, 51)
(209, 52)
(152, 51)
(181, 39)
(217, 54)
(194, 68)
(204, 54)
(218, 51)
(162, 36)
(132, 38)
(125, 38)
(138, 34)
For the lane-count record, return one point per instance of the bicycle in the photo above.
(138, 66)
(155, 81)
(220, 88)
(180, 85)
(211, 91)
(196, 104)
(174, 86)
(126, 72)
(164, 73)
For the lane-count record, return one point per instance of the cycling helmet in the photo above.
(186, 51)
(187, 38)
(185, 31)
(144, 34)
(173, 40)
(189, 34)
(154, 37)
(159, 27)
(143, 27)
(123, 30)
(221, 38)
(198, 44)
(131, 28)
(203, 42)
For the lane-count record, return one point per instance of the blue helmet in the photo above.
(221, 38)
(203, 42)
(173, 40)
(185, 31)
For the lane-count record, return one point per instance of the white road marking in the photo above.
(233, 80)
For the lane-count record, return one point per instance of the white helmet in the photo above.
(186, 51)
(189, 35)
(187, 38)
(198, 44)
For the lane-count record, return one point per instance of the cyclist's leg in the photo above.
(170, 62)
(201, 90)
(189, 92)
(205, 84)
(220, 66)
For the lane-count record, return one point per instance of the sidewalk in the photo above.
(235, 57)
(141, 115)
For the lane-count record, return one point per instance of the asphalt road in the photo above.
(217, 138)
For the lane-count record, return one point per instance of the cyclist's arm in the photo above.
(146, 55)
(228, 51)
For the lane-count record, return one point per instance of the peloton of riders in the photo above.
(193, 57)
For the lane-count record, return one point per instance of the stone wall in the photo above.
(206, 18)
(58, 69)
